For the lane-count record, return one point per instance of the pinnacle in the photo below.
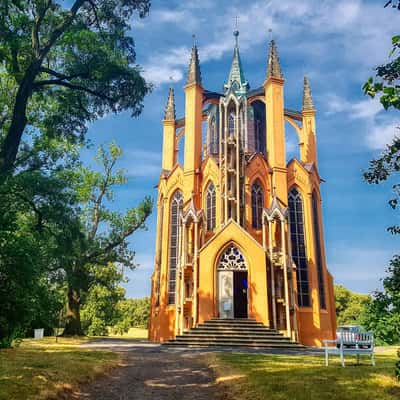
(170, 107)
(273, 66)
(308, 103)
(194, 74)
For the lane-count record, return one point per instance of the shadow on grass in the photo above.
(306, 378)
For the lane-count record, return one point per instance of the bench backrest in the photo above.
(353, 338)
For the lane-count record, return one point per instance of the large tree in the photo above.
(62, 68)
(37, 207)
(349, 305)
(105, 232)
(382, 313)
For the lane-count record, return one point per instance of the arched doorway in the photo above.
(232, 284)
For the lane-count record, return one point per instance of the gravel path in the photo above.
(150, 373)
(154, 372)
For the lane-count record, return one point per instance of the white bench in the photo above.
(349, 343)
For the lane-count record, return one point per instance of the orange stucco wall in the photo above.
(276, 177)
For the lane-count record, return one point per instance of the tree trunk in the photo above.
(73, 316)
(9, 148)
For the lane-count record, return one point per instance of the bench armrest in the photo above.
(329, 341)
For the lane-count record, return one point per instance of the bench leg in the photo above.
(342, 358)
(326, 359)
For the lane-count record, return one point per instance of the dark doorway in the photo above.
(240, 294)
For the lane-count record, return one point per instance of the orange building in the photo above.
(239, 231)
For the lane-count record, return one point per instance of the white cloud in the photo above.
(380, 134)
(367, 108)
(354, 28)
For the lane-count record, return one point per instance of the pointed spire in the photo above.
(236, 79)
(169, 113)
(308, 103)
(194, 74)
(273, 67)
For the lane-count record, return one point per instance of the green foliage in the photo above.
(133, 313)
(36, 211)
(382, 313)
(349, 305)
(388, 76)
(63, 68)
(100, 303)
(99, 247)
(383, 169)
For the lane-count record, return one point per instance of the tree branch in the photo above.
(61, 82)
(97, 204)
(61, 76)
(62, 27)
(115, 243)
(36, 28)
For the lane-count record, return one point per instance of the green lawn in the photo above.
(272, 377)
(39, 369)
(133, 333)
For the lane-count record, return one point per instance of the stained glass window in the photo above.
(176, 208)
(296, 215)
(257, 204)
(210, 207)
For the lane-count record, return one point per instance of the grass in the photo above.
(256, 377)
(41, 369)
(133, 333)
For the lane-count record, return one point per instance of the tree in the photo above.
(349, 305)
(37, 207)
(99, 247)
(133, 313)
(100, 309)
(382, 313)
(63, 68)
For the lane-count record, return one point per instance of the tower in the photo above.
(239, 232)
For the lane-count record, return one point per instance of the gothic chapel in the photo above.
(239, 232)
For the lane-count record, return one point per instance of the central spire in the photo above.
(236, 81)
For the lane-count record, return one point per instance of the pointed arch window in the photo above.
(231, 123)
(296, 215)
(213, 136)
(318, 251)
(257, 204)
(160, 250)
(176, 208)
(210, 207)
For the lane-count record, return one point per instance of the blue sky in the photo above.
(336, 43)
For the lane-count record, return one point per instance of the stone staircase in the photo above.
(233, 333)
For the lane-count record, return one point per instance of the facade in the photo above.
(239, 232)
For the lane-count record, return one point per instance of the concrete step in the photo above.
(236, 321)
(202, 343)
(232, 339)
(215, 331)
(233, 333)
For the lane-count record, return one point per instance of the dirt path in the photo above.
(156, 375)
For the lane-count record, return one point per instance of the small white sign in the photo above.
(227, 306)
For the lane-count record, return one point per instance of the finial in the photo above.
(194, 74)
(236, 34)
(273, 65)
(308, 103)
(169, 113)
